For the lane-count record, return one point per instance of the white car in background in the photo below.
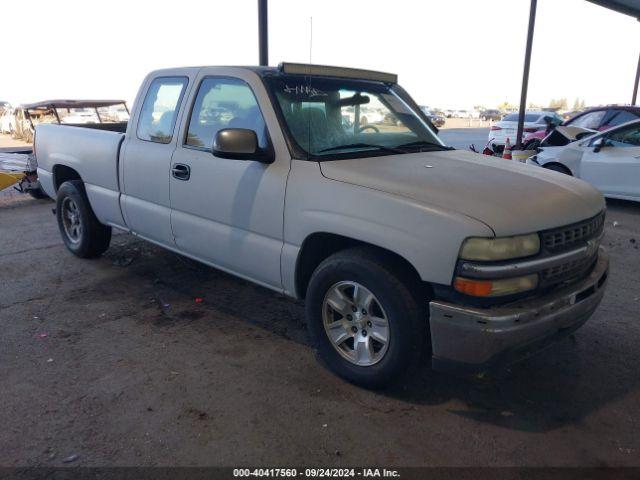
(370, 115)
(466, 114)
(534, 121)
(7, 121)
(610, 160)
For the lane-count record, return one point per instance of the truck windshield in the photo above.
(331, 118)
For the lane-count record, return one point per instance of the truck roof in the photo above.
(310, 69)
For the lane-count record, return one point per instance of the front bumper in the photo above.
(471, 340)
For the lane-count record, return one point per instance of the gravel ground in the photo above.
(113, 362)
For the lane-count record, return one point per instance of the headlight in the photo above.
(490, 249)
(495, 288)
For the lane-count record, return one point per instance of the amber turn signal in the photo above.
(477, 288)
(495, 288)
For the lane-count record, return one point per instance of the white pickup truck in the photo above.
(401, 246)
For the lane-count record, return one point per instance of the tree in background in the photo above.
(507, 107)
(579, 104)
(559, 104)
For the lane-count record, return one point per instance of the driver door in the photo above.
(615, 168)
(229, 213)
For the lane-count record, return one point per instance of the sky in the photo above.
(447, 54)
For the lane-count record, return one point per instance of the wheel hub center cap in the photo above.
(360, 319)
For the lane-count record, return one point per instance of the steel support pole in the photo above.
(635, 85)
(263, 34)
(525, 74)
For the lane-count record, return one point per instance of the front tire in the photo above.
(82, 233)
(363, 318)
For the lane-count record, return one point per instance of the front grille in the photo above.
(564, 238)
(567, 271)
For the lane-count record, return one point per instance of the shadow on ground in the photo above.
(561, 386)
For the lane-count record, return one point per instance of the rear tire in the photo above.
(81, 231)
(339, 329)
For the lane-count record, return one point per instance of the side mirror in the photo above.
(598, 144)
(240, 144)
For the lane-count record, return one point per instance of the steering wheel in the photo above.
(372, 127)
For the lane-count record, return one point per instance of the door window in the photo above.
(224, 103)
(618, 117)
(160, 109)
(626, 137)
(590, 120)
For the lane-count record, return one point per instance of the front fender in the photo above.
(427, 237)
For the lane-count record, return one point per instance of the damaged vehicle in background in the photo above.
(18, 170)
(609, 160)
(534, 121)
(378, 229)
(89, 113)
(18, 165)
(597, 119)
(7, 120)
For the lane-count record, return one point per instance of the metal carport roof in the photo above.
(628, 7)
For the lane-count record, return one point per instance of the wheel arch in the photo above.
(62, 173)
(318, 246)
(562, 166)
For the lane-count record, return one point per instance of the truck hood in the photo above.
(511, 198)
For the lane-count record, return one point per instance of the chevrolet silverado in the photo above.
(402, 248)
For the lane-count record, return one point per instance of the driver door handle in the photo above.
(181, 171)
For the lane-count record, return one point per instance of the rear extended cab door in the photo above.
(229, 213)
(145, 156)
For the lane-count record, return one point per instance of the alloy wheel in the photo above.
(355, 323)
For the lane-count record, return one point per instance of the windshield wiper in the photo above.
(363, 145)
(424, 143)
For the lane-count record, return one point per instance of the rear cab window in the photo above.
(160, 108)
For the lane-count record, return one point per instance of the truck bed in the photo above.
(93, 154)
(112, 127)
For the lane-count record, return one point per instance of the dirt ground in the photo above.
(112, 362)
